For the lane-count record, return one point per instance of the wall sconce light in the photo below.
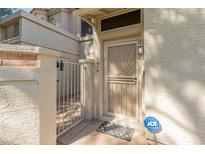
(61, 65)
(97, 65)
(140, 46)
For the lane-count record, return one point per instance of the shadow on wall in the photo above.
(175, 73)
(86, 49)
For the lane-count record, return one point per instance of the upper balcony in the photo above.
(24, 28)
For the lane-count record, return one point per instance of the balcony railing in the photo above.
(12, 31)
(12, 34)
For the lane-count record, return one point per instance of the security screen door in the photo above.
(121, 84)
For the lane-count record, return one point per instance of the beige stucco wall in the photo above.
(2, 34)
(174, 73)
(36, 34)
(56, 18)
(86, 48)
(28, 99)
(76, 26)
(68, 22)
(87, 87)
(47, 77)
(19, 112)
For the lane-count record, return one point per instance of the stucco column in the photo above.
(87, 84)
(27, 95)
(47, 77)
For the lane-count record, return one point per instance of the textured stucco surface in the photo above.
(175, 73)
(28, 101)
(47, 77)
(22, 73)
(19, 110)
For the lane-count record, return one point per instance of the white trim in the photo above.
(105, 98)
(119, 28)
(86, 38)
(122, 41)
(29, 49)
(82, 61)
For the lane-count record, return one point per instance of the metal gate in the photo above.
(69, 106)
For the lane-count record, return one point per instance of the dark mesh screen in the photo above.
(86, 29)
(127, 19)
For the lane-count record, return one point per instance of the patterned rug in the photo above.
(116, 130)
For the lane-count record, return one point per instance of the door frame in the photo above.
(105, 87)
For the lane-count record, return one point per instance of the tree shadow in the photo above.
(175, 72)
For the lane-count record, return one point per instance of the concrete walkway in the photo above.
(85, 134)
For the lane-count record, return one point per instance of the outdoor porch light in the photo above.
(61, 65)
(97, 65)
(140, 47)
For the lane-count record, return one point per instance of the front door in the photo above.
(121, 79)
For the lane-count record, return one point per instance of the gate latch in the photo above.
(61, 65)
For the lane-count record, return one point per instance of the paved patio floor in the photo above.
(85, 134)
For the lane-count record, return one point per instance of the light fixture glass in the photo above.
(140, 47)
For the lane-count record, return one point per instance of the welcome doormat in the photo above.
(116, 130)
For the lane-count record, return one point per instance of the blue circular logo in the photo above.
(152, 124)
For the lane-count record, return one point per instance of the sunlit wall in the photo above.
(175, 73)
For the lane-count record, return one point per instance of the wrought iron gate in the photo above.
(69, 106)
